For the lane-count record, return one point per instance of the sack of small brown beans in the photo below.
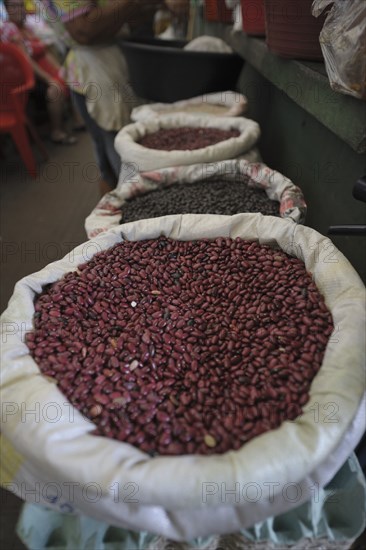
(124, 474)
(237, 186)
(180, 140)
(217, 104)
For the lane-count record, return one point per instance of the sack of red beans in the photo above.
(180, 140)
(216, 104)
(229, 187)
(162, 468)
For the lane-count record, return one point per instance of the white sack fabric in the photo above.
(146, 159)
(216, 104)
(109, 210)
(182, 497)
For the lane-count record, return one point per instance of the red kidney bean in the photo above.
(185, 138)
(221, 344)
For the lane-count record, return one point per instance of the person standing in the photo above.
(95, 68)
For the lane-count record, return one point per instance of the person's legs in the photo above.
(78, 121)
(60, 94)
(55, 106)
(108, 178)
(113, 157)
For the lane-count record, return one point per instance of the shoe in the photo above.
(64, 140)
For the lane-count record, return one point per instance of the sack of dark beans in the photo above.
(180, 140)
(217, 104)
(227, 188)
(166, 340)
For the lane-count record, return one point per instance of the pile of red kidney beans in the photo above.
(183, 347)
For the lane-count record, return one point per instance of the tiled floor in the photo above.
(42, 219)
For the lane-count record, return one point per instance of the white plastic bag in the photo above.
(235, 5)
(146, 159)
(323, 522)
(343, 43)
(60, 464)
(109, 211)
(215, 104)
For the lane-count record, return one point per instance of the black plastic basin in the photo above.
(161, 70)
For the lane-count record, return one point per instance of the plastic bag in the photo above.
(323, 522)
(343, 43)
(235, 5)
(56, 461)
(107, 213)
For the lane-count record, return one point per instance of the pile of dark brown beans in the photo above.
(202, 197)
(183, 346)
(186, 138)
